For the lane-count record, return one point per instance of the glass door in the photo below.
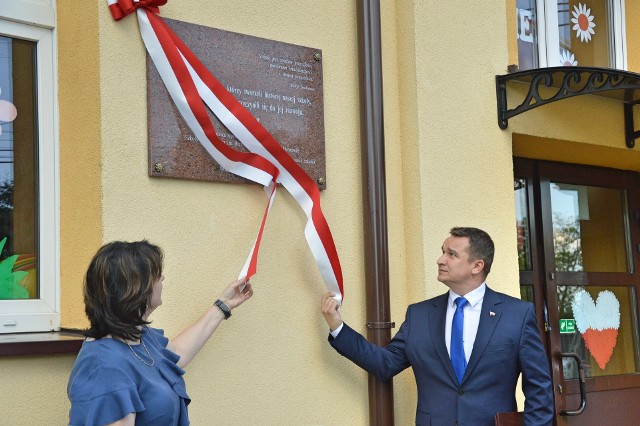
(578, 241)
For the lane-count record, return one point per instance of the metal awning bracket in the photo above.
(559, 83)
(630, 132)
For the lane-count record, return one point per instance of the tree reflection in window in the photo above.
(567, 246)
(522, 224)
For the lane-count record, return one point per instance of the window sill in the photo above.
(55, 342)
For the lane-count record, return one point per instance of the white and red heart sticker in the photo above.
(598, 322)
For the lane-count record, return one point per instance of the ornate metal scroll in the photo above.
(566, 82)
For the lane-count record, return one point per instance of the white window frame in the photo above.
(549, 39)
(34, 20)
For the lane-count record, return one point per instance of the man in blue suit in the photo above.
(466, 354)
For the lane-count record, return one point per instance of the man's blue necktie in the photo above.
(458, 360)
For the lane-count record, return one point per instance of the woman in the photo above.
(126, 372)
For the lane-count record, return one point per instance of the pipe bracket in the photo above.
(375, 325)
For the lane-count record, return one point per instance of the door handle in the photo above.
(583, 386)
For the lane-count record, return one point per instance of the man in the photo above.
(467, 364)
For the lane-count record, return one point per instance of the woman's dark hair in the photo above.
(118, 286)
(480, 245)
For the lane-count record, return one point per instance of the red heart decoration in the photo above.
(598, 322)
(601, 344)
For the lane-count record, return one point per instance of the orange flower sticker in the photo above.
(583, 22)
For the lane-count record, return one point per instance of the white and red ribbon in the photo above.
(191, 86)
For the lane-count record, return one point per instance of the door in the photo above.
(578, 231)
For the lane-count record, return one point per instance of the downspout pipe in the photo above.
(375, 202)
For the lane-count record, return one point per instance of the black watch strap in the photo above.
(224, 308)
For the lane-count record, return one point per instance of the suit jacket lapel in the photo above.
(437, 318)
(489, 317)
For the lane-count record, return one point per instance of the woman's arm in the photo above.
(129, 420)
(189, 342)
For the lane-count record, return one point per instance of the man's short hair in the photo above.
(480, 245)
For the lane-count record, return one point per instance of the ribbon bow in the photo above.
(122, 8)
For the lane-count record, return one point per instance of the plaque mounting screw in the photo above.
(317, 56)
(158, 167)
(321, 181)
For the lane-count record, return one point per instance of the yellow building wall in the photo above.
(632, 11)
(586, 129)
(456, 164)
(456, 161)
(270, 363)
(33, 388)
(448, 164)
(80, 152)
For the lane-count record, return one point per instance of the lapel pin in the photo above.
(492, 314)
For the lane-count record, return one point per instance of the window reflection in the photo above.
(526, 293)
(590, 231)
(522, 224)
(583, 31)
(527, 33)
(18, 159)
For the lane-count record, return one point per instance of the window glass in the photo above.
(29, 182)
(527, 32)
(587, 33)
(526, 293)
(598, 324)
(18, 142)
(590, 231)
(584, 33)
(522, 225)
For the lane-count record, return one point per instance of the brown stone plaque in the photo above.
(279, 83)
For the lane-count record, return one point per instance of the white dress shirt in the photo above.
(337, 331)
(471, 318)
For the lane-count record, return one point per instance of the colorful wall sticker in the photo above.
(598, 323)
(567, 59)
(10, 287)
(583, 22)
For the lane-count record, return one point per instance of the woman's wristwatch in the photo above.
(224, 308)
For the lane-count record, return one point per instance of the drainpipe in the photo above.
(375, 203)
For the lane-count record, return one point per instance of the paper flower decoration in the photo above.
(583, 22)
(567, 59)
(10, 287)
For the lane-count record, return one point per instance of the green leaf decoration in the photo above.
(10, 287)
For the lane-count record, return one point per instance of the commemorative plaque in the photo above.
(279, 83)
